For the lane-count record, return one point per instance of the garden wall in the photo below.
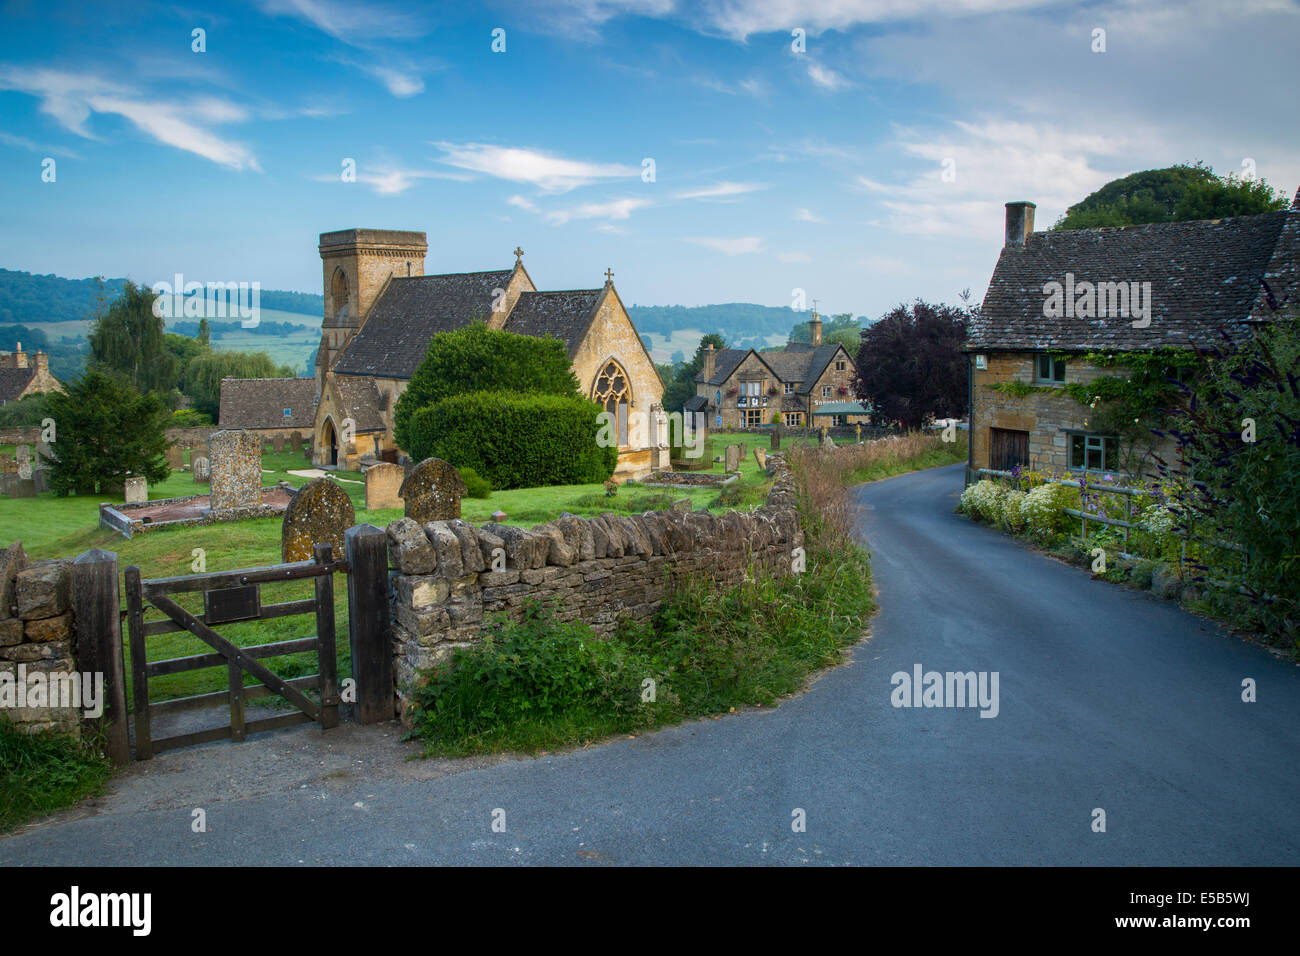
(597, 570)
(36, 640)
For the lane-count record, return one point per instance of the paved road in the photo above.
(1107, 699)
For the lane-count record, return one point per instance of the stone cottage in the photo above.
(21, 375)
(269, 407)
(1057, 296)
(742, 388)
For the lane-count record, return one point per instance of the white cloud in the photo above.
(22, 142)
(615, 209)
(353, 23)
(552, 174)
(400, 83)
(739, 19)
(523, 203)
(744, 245)
(807, 215)
(723, 190)
(825, 77)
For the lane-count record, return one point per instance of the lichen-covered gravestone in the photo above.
(776, 439)
(318, 514)
(733, 458)
(236, 464)
(295, 442)
(202, 470)
(175, 457)
(278, 443)
(432, 491)
(383, 486)
(760, 457)
(136, 490)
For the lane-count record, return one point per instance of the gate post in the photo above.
(95, 604)
(369, 634)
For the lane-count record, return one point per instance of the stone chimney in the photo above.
(1020, 222)
(20, 357)
(42, 363)
(710, 357)
(815, 329)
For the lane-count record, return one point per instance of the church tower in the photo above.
(356, 265)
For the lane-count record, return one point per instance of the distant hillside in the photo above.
(740, 323)
(28, 298)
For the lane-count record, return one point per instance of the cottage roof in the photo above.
(696, 403)
(13, 381)
(394, 338)
(1204, 275)
(262, 403)
(797, 362)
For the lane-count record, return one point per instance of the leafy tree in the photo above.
(205, 334)
(106, 431)
(204, 373)
(28, 412)
(127, 339)
(911, 367)
(1176, 194)
(185, 350)
(682, 386)
(32, 339)
(478, 359)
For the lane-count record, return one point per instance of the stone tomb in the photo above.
(236, 470)
(432, 491)
(202, 470)
(383, 486)
(318, 514)
(136, 490)
(732, 458)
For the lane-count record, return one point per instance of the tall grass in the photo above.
(44, 772)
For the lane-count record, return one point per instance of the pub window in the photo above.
(1093, 452)
(826, 391)
(789, 388)
(839, 366)
(1049, 369)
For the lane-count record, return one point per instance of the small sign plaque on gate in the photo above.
(223, 605)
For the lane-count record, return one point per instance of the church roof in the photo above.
(262, 403)
(394, 338)
(563, 315)
(13, 381)
(359, 399)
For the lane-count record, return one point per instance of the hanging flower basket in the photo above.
(731, 391)
(843, 390)
(771, 390)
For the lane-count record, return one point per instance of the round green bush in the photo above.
(514, 440)
(476, 486)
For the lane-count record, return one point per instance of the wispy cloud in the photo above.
(724, 191)
(22, 142)
(744, 245)
(807, 215)
(399, 82)
(352, 23)
(552, 174)
(387, 179)
(825, 77)
(615, 209)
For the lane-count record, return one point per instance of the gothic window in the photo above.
(613, 392)
(339, 293)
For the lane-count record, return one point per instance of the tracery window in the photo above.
(613, 392)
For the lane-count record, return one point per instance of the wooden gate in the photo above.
(229, 597)
(1007, 449)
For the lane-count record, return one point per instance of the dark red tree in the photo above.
(911, 367)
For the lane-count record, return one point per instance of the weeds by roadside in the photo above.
(44, 772)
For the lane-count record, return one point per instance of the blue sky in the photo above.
(775, 170)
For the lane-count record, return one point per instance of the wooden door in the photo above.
(1008, 448)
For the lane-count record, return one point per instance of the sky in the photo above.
(860, 151)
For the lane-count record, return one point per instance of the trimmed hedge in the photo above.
(515, 441)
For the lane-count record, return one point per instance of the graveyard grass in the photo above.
(537, 686)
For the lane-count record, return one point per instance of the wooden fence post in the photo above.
(99, 642)
(369, 634)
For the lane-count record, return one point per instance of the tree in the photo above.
(911, 367)
(185, 350)
(28, 412)
(205, 334)
(478, 359)
(204, 373)
(1175, 194)
(127, 339)
(682, 386)
(106, 431)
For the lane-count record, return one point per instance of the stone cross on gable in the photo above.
(519, 253)
(609, 276)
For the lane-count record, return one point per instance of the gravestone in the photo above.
(295, 442)
(236, 466)
(732, 459)
(318, 514)
(776, 439)
(136, 490)
(827, 440)
(432, 491)
(760, 457)
(44, 452)
(202, 470)
(175, 457)
(42, 478)
(306, 452)
(383, 483)
(278, 443)
(22, 488)
(24, 461)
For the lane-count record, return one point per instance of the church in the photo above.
(381, 311)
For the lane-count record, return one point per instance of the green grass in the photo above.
(947, 455)
(42, 773)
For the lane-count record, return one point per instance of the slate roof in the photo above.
(563, 315)
(410, 312)
(13, 381)
(360, 400)
(696, 403)
(1204, 276)
(798, 362)
(260, 403)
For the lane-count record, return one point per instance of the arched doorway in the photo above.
(613, 392)
(329, 439)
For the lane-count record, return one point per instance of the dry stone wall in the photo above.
(449, 576)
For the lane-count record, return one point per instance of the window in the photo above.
(287, 413)
(826, 391)
(612, 392)
(789, 388)
(793, 419)
(1049, 369)
(753, 417)
(1093, 452)
(751, 388)
(839, 421)
(840, 365)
